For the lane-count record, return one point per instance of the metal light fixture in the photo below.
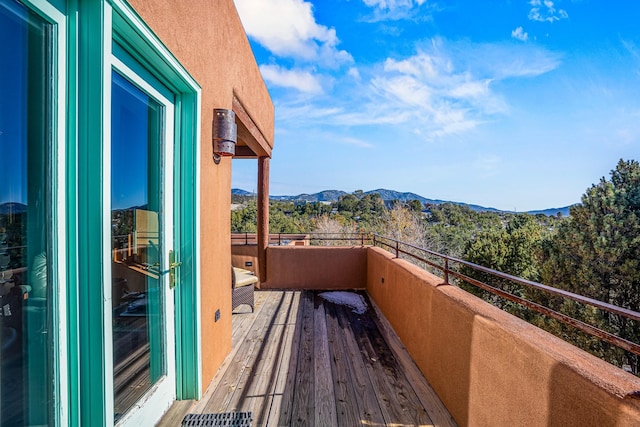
(225, 134)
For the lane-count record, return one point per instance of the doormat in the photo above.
(224, 419)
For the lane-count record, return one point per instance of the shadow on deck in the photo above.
(301, 360)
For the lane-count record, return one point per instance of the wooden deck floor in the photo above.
(300, 360)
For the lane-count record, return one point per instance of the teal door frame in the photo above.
(95, 27)
(82, 39)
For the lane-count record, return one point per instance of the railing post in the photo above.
(446, 270)
(279, 239)
(397, 249)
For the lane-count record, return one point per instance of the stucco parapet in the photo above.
(550, 351)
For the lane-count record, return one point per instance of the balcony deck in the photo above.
(300, 360)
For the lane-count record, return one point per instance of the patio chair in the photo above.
(242, 282)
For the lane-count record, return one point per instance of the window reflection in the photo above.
(136, 132)
(26, 357)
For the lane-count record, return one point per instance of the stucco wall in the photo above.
(316, 267)
(208, 39)
(240, 254)
(490, 368)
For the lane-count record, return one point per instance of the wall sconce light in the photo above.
(225, 134)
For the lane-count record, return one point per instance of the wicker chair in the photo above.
(242, 282)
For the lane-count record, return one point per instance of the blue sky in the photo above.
(517, 105)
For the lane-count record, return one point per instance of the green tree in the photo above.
(347, 203)
(596, 253)
(515, 249)
(245, 219)
(415, 205)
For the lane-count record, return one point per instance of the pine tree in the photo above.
(596, 253)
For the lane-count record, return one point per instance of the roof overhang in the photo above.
(251, 142)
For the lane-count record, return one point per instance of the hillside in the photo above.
(323, 196)
(390, 195)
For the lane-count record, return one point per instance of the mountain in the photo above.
(239, 192)
(552, 212)
(12, 208)
(390, 195)
(323, 196)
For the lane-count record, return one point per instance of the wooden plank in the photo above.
(242, 331)
(372, 412)
(428, 397)
(397, 399)
(324, 394)
(242, 318)
(176, 413)
(229, 390)
(290, 382)
(350, 408)
(303, 365)
(303, 377)
(259, 388)
(242, 371)
(288, 361)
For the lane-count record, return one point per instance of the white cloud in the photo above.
(300, 80)
(520, 34)
(392, 10)
(631, 47)
(393, 4)
(353, 72)
(507, 60)
(545, 11)
(404, 89)
(301, 113)
(288, 28)
(428, 91)
(633, 50)
(446, 88)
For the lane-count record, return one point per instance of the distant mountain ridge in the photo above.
(239, 192)
(12, 208)
(323, 196)
(389, 195)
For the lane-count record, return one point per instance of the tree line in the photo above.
(595, 252)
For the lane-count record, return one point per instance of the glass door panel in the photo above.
(26, 285)
(139, 242)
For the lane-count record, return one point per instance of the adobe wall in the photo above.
(316, 267)
(490, 368)
(241, 254)
(208, 39)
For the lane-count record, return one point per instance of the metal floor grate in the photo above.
(225, 419)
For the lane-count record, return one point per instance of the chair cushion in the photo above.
(244, 277)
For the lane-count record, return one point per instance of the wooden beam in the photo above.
(263, 216)
(248, 131)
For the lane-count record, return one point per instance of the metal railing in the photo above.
(275, 239)
(451, 266)
(447, 265)
(283, 239)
